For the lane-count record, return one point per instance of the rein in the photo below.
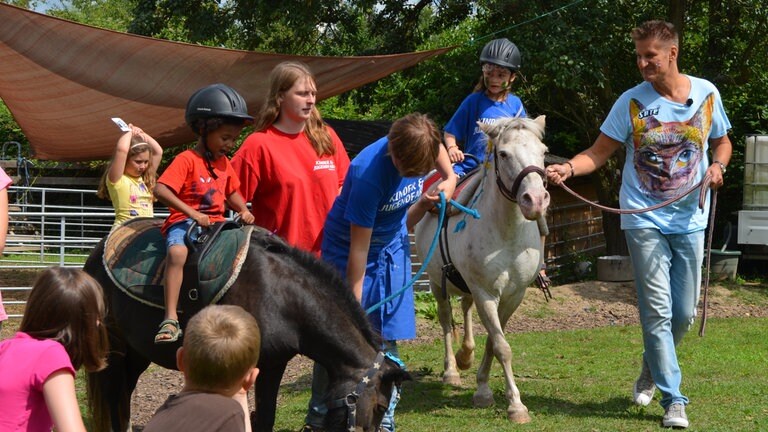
(442, 206)
(702, 199)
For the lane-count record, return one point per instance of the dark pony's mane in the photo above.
(341, 294)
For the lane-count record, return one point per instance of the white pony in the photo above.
(498, 254)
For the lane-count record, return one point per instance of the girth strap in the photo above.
(449, 271)
(198, 247)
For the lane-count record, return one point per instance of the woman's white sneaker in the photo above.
(644, 387)
(674, 416)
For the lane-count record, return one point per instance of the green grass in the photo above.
(581, 381)
(50, 257)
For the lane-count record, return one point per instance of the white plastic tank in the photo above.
(756, 173)
(753, 219)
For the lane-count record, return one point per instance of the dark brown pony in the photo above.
(302, 307)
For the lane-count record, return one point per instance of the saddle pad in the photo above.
(134, 258)
(465, 188)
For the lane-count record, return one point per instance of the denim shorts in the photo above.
(176, 233)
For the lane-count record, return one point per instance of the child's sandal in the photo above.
(170, 331)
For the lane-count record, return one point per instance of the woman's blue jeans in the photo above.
(667, 269)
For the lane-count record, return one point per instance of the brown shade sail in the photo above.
(63, 81)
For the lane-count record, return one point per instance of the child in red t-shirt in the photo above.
(197, 185)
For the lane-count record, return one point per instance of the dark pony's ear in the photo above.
(396, 376)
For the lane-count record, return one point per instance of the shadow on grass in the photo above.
(426, 395)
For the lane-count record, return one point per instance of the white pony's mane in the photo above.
(521, 123)
(534, 126)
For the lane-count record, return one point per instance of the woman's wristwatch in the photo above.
(722, 165)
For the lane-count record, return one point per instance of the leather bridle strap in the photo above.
(350, 400)
(511, 193)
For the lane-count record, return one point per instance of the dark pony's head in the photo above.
(364, 407)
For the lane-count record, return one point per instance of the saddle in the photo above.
(134, 259)
(465, 189)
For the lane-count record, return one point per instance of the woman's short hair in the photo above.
(656, 29)
(414, 141)
(222, 342)
(67, 305)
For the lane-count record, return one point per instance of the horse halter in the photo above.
(511, 193)
(350, 400)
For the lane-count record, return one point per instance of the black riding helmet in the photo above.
(501, 52)
(216, 100)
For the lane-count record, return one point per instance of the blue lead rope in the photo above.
(474, 213)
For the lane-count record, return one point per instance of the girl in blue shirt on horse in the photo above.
(491, 100)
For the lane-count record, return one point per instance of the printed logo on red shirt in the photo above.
(325, 165)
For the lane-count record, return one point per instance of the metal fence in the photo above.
(50, 226)
(58, 226)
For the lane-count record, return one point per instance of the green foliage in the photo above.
(109, 14)
(577, 267)
(11, 131)
(425, 304)
(28, 4)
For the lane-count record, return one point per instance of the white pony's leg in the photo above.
(516, 411)
(466, 354)
(497, 346)
(483, 396)
(445, 314)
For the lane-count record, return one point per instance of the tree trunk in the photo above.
(676, 14)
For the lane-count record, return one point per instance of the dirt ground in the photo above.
(573, 306)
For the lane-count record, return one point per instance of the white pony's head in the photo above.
(515, 143)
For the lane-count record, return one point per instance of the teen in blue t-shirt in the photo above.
(366, 232)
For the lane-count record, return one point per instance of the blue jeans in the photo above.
(177, 232)
(667, 270)
(317, 409)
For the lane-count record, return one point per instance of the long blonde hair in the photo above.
(281, 79)
(149, 176)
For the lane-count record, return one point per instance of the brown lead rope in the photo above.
(702, 199)
(703, 324)
(641, 210)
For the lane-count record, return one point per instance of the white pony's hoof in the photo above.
(452, 379)
(464, 358)
(483, 400)
(518, 414)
